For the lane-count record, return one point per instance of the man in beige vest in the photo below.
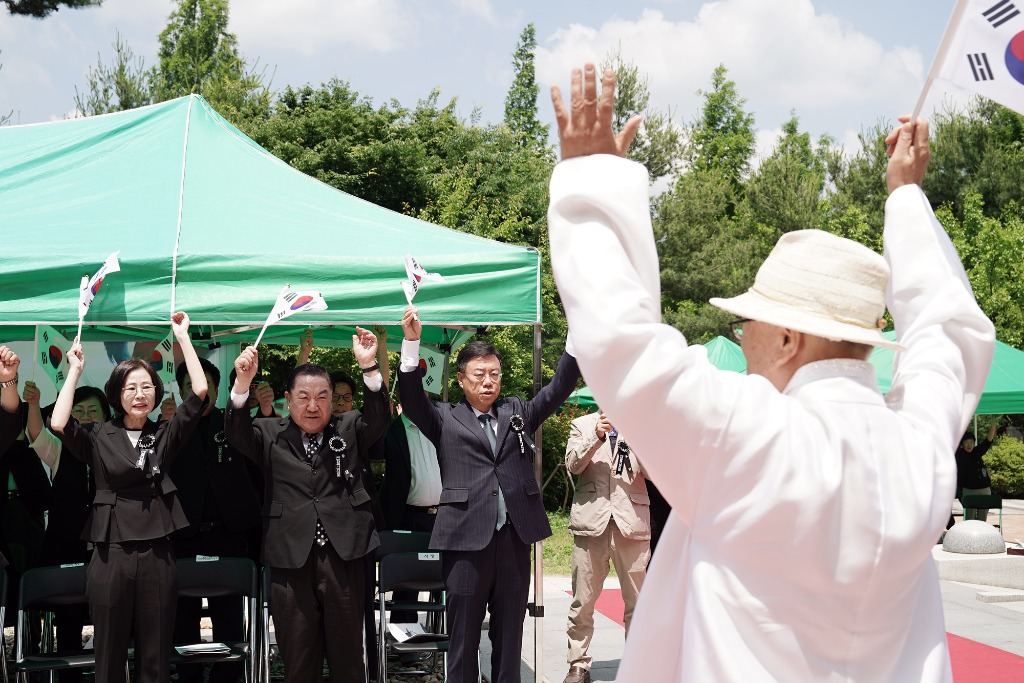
(611, 519)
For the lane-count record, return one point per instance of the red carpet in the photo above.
(972, 662)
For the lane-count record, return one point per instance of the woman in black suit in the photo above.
(132, 584)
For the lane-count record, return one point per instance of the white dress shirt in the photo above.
(799, 546)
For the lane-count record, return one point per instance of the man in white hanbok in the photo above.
(805, 504)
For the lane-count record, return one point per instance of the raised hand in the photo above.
(31, 393)
(168, 408)
(909, 154)
(246, 366)
(179, 324)
(265, 398)
(9, 363)
(364, 346)
(411, 323)
(586, 128)
(76, 358)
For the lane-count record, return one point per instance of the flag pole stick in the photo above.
(940, 55)
(78, 337)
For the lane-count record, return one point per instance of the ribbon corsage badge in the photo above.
(220, 439)
(145, 446)
(338, 446)
(518, 425)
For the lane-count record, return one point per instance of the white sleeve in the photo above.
(374, 382)
(939, 379)
(47, 446)
(410, 355)
(238, 401)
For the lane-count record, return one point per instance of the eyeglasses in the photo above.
(131, 389)
(478, 377)
(737, 327)
(341, 398)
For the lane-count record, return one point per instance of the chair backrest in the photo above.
(45, 587)
(981, 501)
(402, 542)
(411, 571)
(212, 577)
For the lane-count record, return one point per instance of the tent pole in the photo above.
(538, 547)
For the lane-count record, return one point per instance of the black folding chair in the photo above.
(402, 542)
(3, 615)
(417, 572)
(212, 577)
(42, 589)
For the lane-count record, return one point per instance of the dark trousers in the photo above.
(496, 578)
(132, 590)
(413, 519)
(318, 609)
(225, 612)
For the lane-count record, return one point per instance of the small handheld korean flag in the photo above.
(983, 50)
(289, 303)
(162, 359)
(91, 286)
(432, 365)
(52, 354)
(415, 275)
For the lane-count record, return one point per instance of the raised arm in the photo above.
(9, 363)
(410, 382)
(179, 324)
(950, 342)
(584, 442)
(238, 425)
(66, 396)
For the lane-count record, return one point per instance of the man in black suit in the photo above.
(491, 508)
(220, 502)
(318, 524)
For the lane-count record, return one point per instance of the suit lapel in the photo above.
(464, 414)
(119, 439)
(504, 410)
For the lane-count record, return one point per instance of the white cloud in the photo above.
(308, 26)
(781, 54)
(479, 8)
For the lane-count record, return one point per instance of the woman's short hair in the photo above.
(208, 368)
(87, 392)
(115, 385)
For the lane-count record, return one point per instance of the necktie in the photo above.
(485, 422)
(312, 446)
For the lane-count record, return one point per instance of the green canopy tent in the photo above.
(208, 222)
(1004, 389)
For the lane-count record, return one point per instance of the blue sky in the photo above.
(843, 65)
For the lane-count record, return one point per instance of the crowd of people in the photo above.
(804, 503)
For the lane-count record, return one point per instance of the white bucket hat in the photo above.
(820, 284)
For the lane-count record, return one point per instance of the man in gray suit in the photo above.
(491, 508)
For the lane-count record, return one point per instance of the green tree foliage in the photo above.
(785, 192)
(43, 8)
(979, 151)
(658, 144)
(1005, 462)
(722, 138)
(126, 84)
(521, 101)
(198, 55)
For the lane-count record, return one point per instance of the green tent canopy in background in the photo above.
(208, 222)
(1004, 390)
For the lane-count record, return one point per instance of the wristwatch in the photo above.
(9, 383)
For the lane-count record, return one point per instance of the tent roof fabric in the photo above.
(208, 222)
